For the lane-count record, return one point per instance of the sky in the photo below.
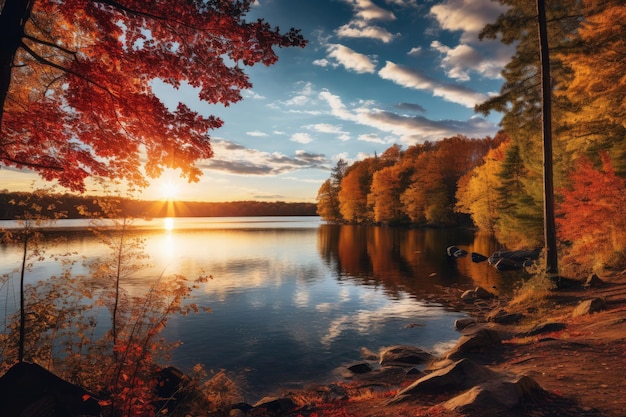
(375, 73)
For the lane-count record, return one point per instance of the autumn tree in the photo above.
(520, 98)
(328, 194)
(592, 219)
(77, 82)
(476, 192)
(595, 121)
(355, 187)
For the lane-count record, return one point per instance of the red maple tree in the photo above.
(76, 76)
(591, 212)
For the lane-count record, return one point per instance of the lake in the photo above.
(292, 298)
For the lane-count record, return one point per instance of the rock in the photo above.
(588, 307)
(273, 406)
(461, 324)
(461, 253)
(468, 296)
(236, 412)
(544, 328)
(483, 294)
(403, 356)
(460, 375)
(512, 260)
(477, 257)
(170, 381)
(368, 355)
(501, 316)
(505, 264)
(27, 389)
(494, 396)
(360, 368)
(476, 340)
(593, 281)
(332, 392)
(451, 250)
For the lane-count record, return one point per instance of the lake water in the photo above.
(292, 298)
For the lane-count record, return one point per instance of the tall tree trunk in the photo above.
(548, 181)
(13, 18)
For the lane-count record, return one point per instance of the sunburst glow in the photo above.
(169, 190)
(168, 223)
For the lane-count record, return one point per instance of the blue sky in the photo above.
(375, 73)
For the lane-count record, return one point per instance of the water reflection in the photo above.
(410, 260)
(292, 299)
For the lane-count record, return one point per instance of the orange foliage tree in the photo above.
(77, 77)
(592, 216)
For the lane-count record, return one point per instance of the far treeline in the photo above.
(498, 182)
(12, 207)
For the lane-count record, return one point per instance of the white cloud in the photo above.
(371, 137)
(406, 129)
(367, 10)
(412, 78)
(233, 158)
(467, 16)
(325, 128)
(303, 138)
(359, 29)
(463, 59)
(256, 133)
(322, 62)
(350, 59)
(415, 51)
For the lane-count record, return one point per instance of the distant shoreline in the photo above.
(12, 207)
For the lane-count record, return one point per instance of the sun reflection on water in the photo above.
(168, 223)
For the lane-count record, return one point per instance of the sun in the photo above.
(169, 190)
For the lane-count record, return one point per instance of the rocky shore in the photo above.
(564, 357)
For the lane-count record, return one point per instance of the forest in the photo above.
(79, 206)
(496, 184)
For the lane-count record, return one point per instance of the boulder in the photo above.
(474, 341)
(588, 307)
(483, 294)
(468, 296)
(501, 316)
(461, 253)
(403, 356)
(451, 250)
(593, 281)
(477, 257)
(368, 355)
(544, 328)
(461, 324)
(360, 368)
(28, 389)
(497, 395)
(272, 406)
(458, 376)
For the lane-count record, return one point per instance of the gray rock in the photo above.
(588, 307)
(503, 317)
(461, 324)
(458, 376)
(476, 340)
(468, 295)
(544, 328)
(483, 294)
(360, 368)
(493, 396)
(273, 406)
(593, 281)
(403, 356)
(368, 355)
